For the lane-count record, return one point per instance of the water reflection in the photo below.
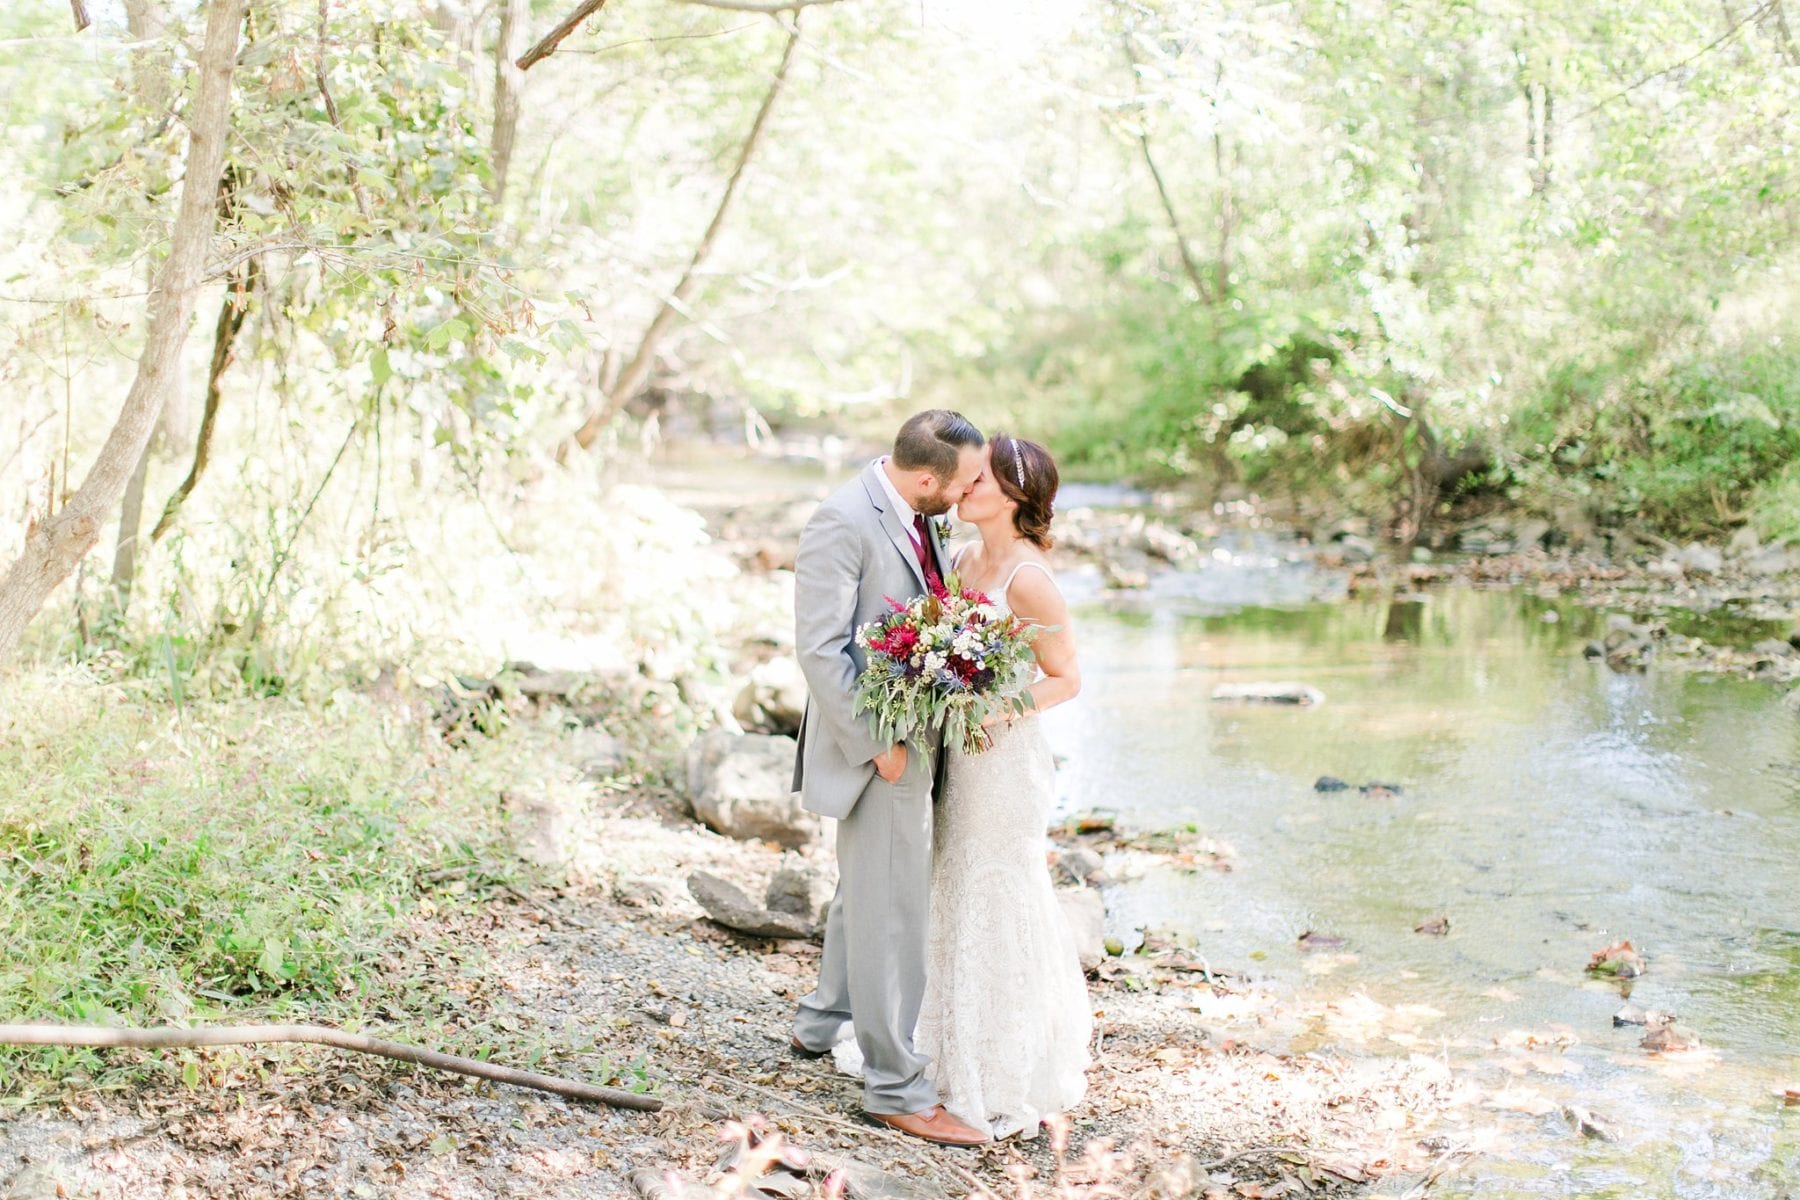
(1549, 806)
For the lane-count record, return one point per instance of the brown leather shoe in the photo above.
(934, 1125)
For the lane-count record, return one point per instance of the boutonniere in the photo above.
(943, 526)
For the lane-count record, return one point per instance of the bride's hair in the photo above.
(1016, 460)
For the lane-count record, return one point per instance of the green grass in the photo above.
(235, 859)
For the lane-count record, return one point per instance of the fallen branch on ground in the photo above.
(317, 1035)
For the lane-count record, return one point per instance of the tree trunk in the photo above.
(232, 311)
(151, 83)
(131, 516)
(455, 19)
(1542, 183)
(1790, 50)
(151, 65)
(55, 544)
(1227, 217)
(637, 369)
(509, 83)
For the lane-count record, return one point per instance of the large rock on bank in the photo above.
(773, 698)
(1086, 914)
(728, 904)
(739, 785)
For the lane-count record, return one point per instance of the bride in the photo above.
(1006, 1019)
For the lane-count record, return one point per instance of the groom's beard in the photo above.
(935, 506)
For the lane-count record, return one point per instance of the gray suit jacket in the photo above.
(854, 553)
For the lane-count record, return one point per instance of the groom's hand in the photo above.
(890, 764)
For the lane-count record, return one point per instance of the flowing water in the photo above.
(1547, 806)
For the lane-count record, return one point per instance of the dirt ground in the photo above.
(621, 976)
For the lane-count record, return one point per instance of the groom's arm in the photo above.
(827, 573)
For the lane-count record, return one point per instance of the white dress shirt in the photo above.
(906, 511)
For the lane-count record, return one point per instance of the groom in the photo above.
(871, 541)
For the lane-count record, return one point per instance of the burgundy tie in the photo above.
(922, 547)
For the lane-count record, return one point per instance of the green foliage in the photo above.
(1685, 448)
(239, 860)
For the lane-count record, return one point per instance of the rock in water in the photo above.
(1086, 913)
(739, 785)
(1433, 926)
(1299, 694)
(1319, 941)
(1330, 783)
(1700, 558)
(1653, 1018)
(729, 906)
(1668, 1039)
(1618, 960)
(1588, 1125)
(1078, 866)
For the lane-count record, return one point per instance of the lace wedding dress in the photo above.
(1006, 1019)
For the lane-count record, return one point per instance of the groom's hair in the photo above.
(933, 440)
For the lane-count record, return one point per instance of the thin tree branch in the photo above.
(1752, 15)
(318, 1035)
(550, 41)
(1188, 265)
(225, 332)
(287, 551)
(81, 15)
(760, 6)
(331, 108)
(1181, 243)
(634, 373)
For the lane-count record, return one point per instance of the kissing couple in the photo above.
(946, 954)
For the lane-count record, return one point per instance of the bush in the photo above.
(239, 858)
(1691, 450)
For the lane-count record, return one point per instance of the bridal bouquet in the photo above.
(944, 661)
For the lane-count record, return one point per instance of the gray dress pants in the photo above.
(872, 973)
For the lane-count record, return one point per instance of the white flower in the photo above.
(935, 661)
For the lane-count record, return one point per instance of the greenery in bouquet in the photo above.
(945, 661)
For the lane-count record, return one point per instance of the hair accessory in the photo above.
(1018, 463)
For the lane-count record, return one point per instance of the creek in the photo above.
(1545, 804)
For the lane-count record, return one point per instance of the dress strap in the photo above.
(1030, 562)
